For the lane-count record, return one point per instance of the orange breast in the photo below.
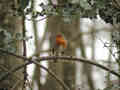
(61, 41)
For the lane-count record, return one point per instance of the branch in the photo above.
(57, 79)
(4, 76)
(29, 62)
(67, 58)
(3, 67)
(83, 60)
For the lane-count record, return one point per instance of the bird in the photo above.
(61, 44)
(60, 41)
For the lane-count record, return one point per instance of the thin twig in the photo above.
(3, 67)
(67, 58)
(35, 62)
(24, 50)
(3, 77)
(29, 19)
(83, 60)
(16, 84)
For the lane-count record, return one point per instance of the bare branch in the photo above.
(62, 58)
(83, 60)
(5, 75)
(31, 61)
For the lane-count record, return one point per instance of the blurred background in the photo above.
(87, 33)
(88, 38)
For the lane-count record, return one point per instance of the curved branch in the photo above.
(29, 62)
(83, 60)
(67, 58)
(57, 79)
(41, 66)
(5, 75)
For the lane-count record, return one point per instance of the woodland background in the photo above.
(28, 29)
